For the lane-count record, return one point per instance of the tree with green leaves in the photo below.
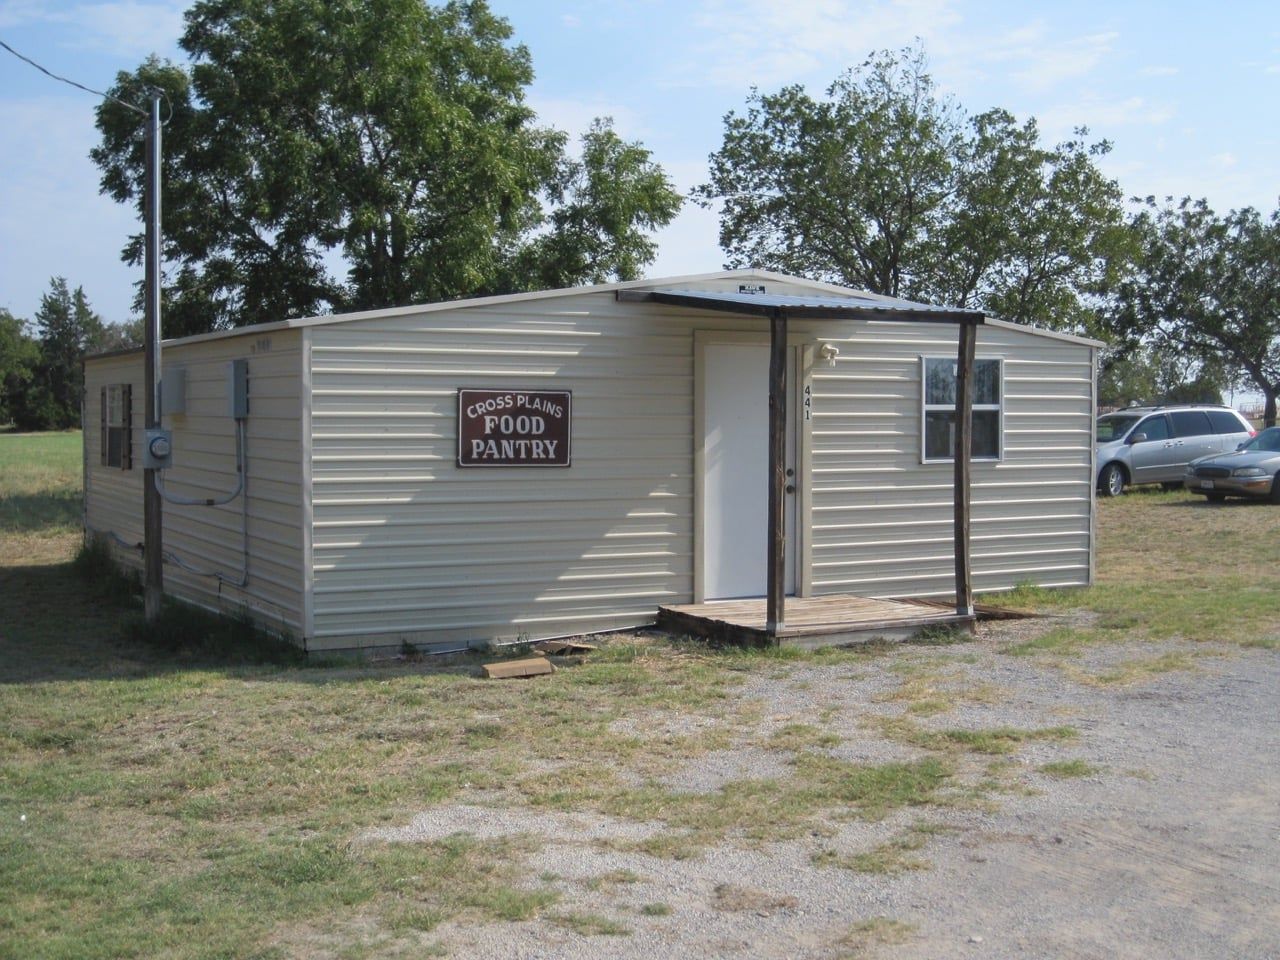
(888, 186)
(67, 328)
(1141, 374)
(19, 357)
(392, 137)
(1207, 289)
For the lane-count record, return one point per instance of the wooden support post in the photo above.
(777, 559)
(963, 453)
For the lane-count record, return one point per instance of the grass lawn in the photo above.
(151, 805)
(40, 478)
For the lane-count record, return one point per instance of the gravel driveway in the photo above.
(1165, 844)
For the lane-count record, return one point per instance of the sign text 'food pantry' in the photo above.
(513, 428)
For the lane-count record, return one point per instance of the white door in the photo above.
(735, 499)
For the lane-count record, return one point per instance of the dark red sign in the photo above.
(513, 428)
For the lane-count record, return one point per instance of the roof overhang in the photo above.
(804, 306)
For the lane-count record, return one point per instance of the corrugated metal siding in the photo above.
(409, 546)
(208, 538)
(882, 520)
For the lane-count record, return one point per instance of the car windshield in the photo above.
(1114, 426)
(1268, 441)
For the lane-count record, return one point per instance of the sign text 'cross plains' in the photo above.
(513, 428)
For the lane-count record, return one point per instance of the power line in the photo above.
(81, 86)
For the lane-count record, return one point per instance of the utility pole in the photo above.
(153, 556)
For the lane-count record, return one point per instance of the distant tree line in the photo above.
(324, 156)
(41, 372)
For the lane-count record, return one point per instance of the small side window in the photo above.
(116, 417)
(1223, 421)
(939, 409)
(1190, 423)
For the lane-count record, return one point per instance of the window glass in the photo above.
(986, 382)
(1268, 440)
(1156, 428)
(940, 381)
(1190, 423)
(1223, 421)
(940, 435)
(117, 417)
(940, 408)
(1114, 427)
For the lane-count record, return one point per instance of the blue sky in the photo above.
(1186, 91)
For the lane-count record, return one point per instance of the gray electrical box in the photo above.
(238, 389)
(157, 449)
(173, 391)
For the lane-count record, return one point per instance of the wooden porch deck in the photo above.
(810, 621)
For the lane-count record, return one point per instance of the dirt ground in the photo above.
(1159, 835)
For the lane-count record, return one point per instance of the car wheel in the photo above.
(1275, 489)
(1215, 497)
(1111, 481)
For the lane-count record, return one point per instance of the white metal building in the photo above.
(366, 520)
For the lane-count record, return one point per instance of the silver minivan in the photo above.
(1155, 444)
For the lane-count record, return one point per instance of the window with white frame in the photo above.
(938, 426)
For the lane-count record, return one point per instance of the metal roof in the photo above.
(805, 306)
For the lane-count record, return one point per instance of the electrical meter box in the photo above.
(238, 389)
(157, 449)
(173, 391)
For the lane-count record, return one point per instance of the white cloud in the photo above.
(1103, 116)
(570, 21)
(1048, 64)
(17, 13)
(1155, 71)
(1226, 160)
(130, 28)
(776, 43)
(574, 116)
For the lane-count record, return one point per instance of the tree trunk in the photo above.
(1269, 407)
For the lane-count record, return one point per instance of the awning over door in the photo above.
(778, 308)
(805, 306)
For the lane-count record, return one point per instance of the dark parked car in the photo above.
(1250, 471)
(1155, 444)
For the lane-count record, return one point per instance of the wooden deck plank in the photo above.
(840, 616)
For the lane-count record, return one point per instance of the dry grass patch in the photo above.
(801, 736)
(731, 898)
(889, 858)
(819, 785)
(1139, 669)
(928, 691)
(985, 740)
(589, 924)
(872, 933)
